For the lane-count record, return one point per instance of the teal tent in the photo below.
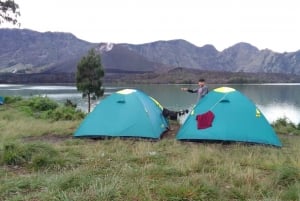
(1, 100)
(126, 113)
(227, 115)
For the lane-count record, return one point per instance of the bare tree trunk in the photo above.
(89, 102)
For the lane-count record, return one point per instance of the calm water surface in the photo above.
(275, 100)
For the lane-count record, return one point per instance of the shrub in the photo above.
(45, 108)
(12, 99)
(64, 113)
(39, 103)
(285, 126)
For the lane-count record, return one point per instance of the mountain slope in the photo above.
(240, 57)
(118, 57)
(26, 51)
(29, 51)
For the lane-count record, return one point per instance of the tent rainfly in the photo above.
(126, 113)
(1, 100)
(225, 114)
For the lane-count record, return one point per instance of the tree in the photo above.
(9, 12)
(89, 76)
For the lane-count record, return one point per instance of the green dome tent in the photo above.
(126, 113)
(225, 114)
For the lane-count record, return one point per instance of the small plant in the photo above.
(13, 155)
(292, 193)
(32, 155)
(288, 175)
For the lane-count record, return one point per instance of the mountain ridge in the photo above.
(25, 51)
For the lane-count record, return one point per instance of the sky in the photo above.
(266, 24)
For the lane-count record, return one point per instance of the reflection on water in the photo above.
(274, 111)
(275, 100)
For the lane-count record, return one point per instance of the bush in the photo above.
(45, 108)
(12, 99)
(285, 126)
(64, 113)
(40, 104)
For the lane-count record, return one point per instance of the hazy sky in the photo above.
(273, 24)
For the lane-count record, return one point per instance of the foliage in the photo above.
(64, 113)
(285, 126)
(89, 76)
(12, 99)
(40, 104)
(242, 80)
(45, 108)
(9, 11)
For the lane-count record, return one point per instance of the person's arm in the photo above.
(190, 90)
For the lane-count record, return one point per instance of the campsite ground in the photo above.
(39, 160)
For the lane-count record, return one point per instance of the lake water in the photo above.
(274, 100)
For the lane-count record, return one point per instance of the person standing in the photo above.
(202, 90)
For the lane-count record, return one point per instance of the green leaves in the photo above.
(89, 76)
(9, 12)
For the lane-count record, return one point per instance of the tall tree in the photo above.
(9, 11)
(89, 76)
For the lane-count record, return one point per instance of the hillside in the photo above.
(26, 52)
(242, 57)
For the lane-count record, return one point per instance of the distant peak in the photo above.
(244, 45)
(209, 47)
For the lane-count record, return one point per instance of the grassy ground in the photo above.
(39, 160)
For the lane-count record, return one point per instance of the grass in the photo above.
(39, 160)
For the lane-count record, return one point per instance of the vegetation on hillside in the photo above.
(189, 76)
(39, 160)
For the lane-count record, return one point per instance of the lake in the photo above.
(274, 100)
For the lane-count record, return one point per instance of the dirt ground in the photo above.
(56, 138)
(171, 133)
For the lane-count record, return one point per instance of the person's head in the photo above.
(201, 82)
